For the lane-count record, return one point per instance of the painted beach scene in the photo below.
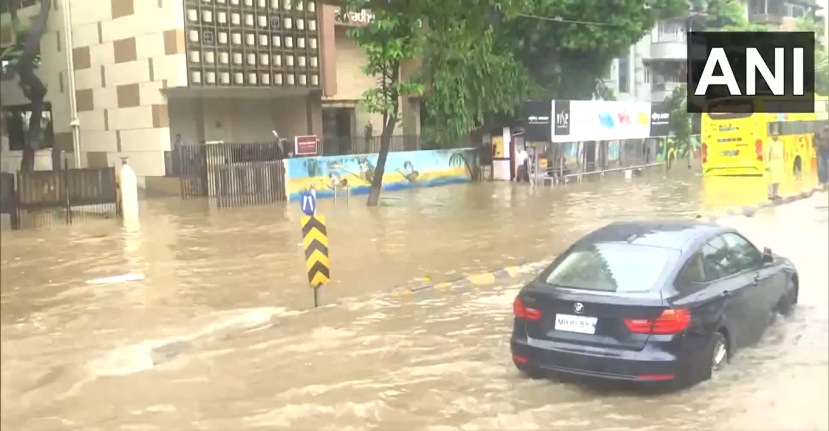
(403, 170)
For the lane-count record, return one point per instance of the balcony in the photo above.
(661, 92)
(668, 51)
(668, 42)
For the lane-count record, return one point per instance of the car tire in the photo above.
(531, 372)
(788, 302)
(718, 354)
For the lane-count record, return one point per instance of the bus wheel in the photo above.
(798, 167)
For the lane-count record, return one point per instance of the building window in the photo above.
(670, 32)
(647, 77)
(245, 31)
(795, 11)
(16, 121)
(624, 72)
(757, 7)
(208, 38)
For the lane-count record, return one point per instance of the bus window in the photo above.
(776, 128)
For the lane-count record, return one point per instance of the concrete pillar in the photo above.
(129, 192)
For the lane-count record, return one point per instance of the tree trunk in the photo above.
(30, 83)
(380, 169)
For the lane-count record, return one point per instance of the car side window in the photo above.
(691, 277)
(744, 254)
(716, 260)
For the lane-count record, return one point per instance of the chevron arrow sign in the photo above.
(315, 242)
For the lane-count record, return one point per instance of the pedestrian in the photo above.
(821, 143)
(775, 165)
(522, 166)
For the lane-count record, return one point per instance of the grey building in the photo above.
(653, 67)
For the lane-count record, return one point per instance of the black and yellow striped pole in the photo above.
(315, 243)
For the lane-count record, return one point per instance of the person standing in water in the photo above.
(522, 171)
(821, 143)
(775, 165)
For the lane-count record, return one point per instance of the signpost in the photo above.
(315, 243)
(308, 203)
(306, 145)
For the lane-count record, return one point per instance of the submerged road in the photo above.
(218, 336)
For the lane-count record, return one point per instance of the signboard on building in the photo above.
(306, 145)
(537, 113)
(363, 17)
(599, 120)
(660, 119)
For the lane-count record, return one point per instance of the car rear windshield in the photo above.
(612, 267)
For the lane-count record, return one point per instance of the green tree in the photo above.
(727, 15)
(471, 73)
(390, 39)
(24, 58)
(680, 119)
(566, 45)
(808, 23)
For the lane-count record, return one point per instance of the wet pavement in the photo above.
(218, 335)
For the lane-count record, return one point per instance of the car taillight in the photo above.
(758, 149)
(523, 312)
(671, 321)
(704, 149)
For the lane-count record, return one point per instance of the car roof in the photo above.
(674, 234)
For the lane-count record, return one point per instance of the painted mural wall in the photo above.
(403, 170)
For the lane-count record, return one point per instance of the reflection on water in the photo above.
(719, 192)
(218, 336)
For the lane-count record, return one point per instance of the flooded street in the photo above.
(219, 336)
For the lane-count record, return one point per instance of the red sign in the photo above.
(305, 145)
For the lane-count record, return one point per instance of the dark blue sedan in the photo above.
(650, 302)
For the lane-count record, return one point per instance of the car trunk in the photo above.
(598, 322)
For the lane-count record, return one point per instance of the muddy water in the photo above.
(216, 336)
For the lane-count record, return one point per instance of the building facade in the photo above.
(653, 67)
(135, 77)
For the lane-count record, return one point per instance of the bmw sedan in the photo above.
(662, 302)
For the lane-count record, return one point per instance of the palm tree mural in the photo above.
(467, 159)
(312, 166)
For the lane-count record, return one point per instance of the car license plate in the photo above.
(580, 324)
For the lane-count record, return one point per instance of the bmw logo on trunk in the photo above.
(578, 308)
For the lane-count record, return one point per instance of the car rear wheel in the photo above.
(719, 352)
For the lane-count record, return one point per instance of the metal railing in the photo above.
(44, 197)
(235, 174)
(345, 145)
(630, 155)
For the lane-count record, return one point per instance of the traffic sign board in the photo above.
(308, 203)
(315, 242)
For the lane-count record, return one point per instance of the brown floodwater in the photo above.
(218, 334)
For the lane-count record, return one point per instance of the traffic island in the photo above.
(751, 210)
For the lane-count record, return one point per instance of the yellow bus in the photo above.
(733, 136)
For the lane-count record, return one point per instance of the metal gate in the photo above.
(42, 198)
(235, 175)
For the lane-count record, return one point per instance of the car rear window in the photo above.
(612, 267)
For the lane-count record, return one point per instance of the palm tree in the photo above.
(461, 158)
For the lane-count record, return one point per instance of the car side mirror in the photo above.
(768, 256)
